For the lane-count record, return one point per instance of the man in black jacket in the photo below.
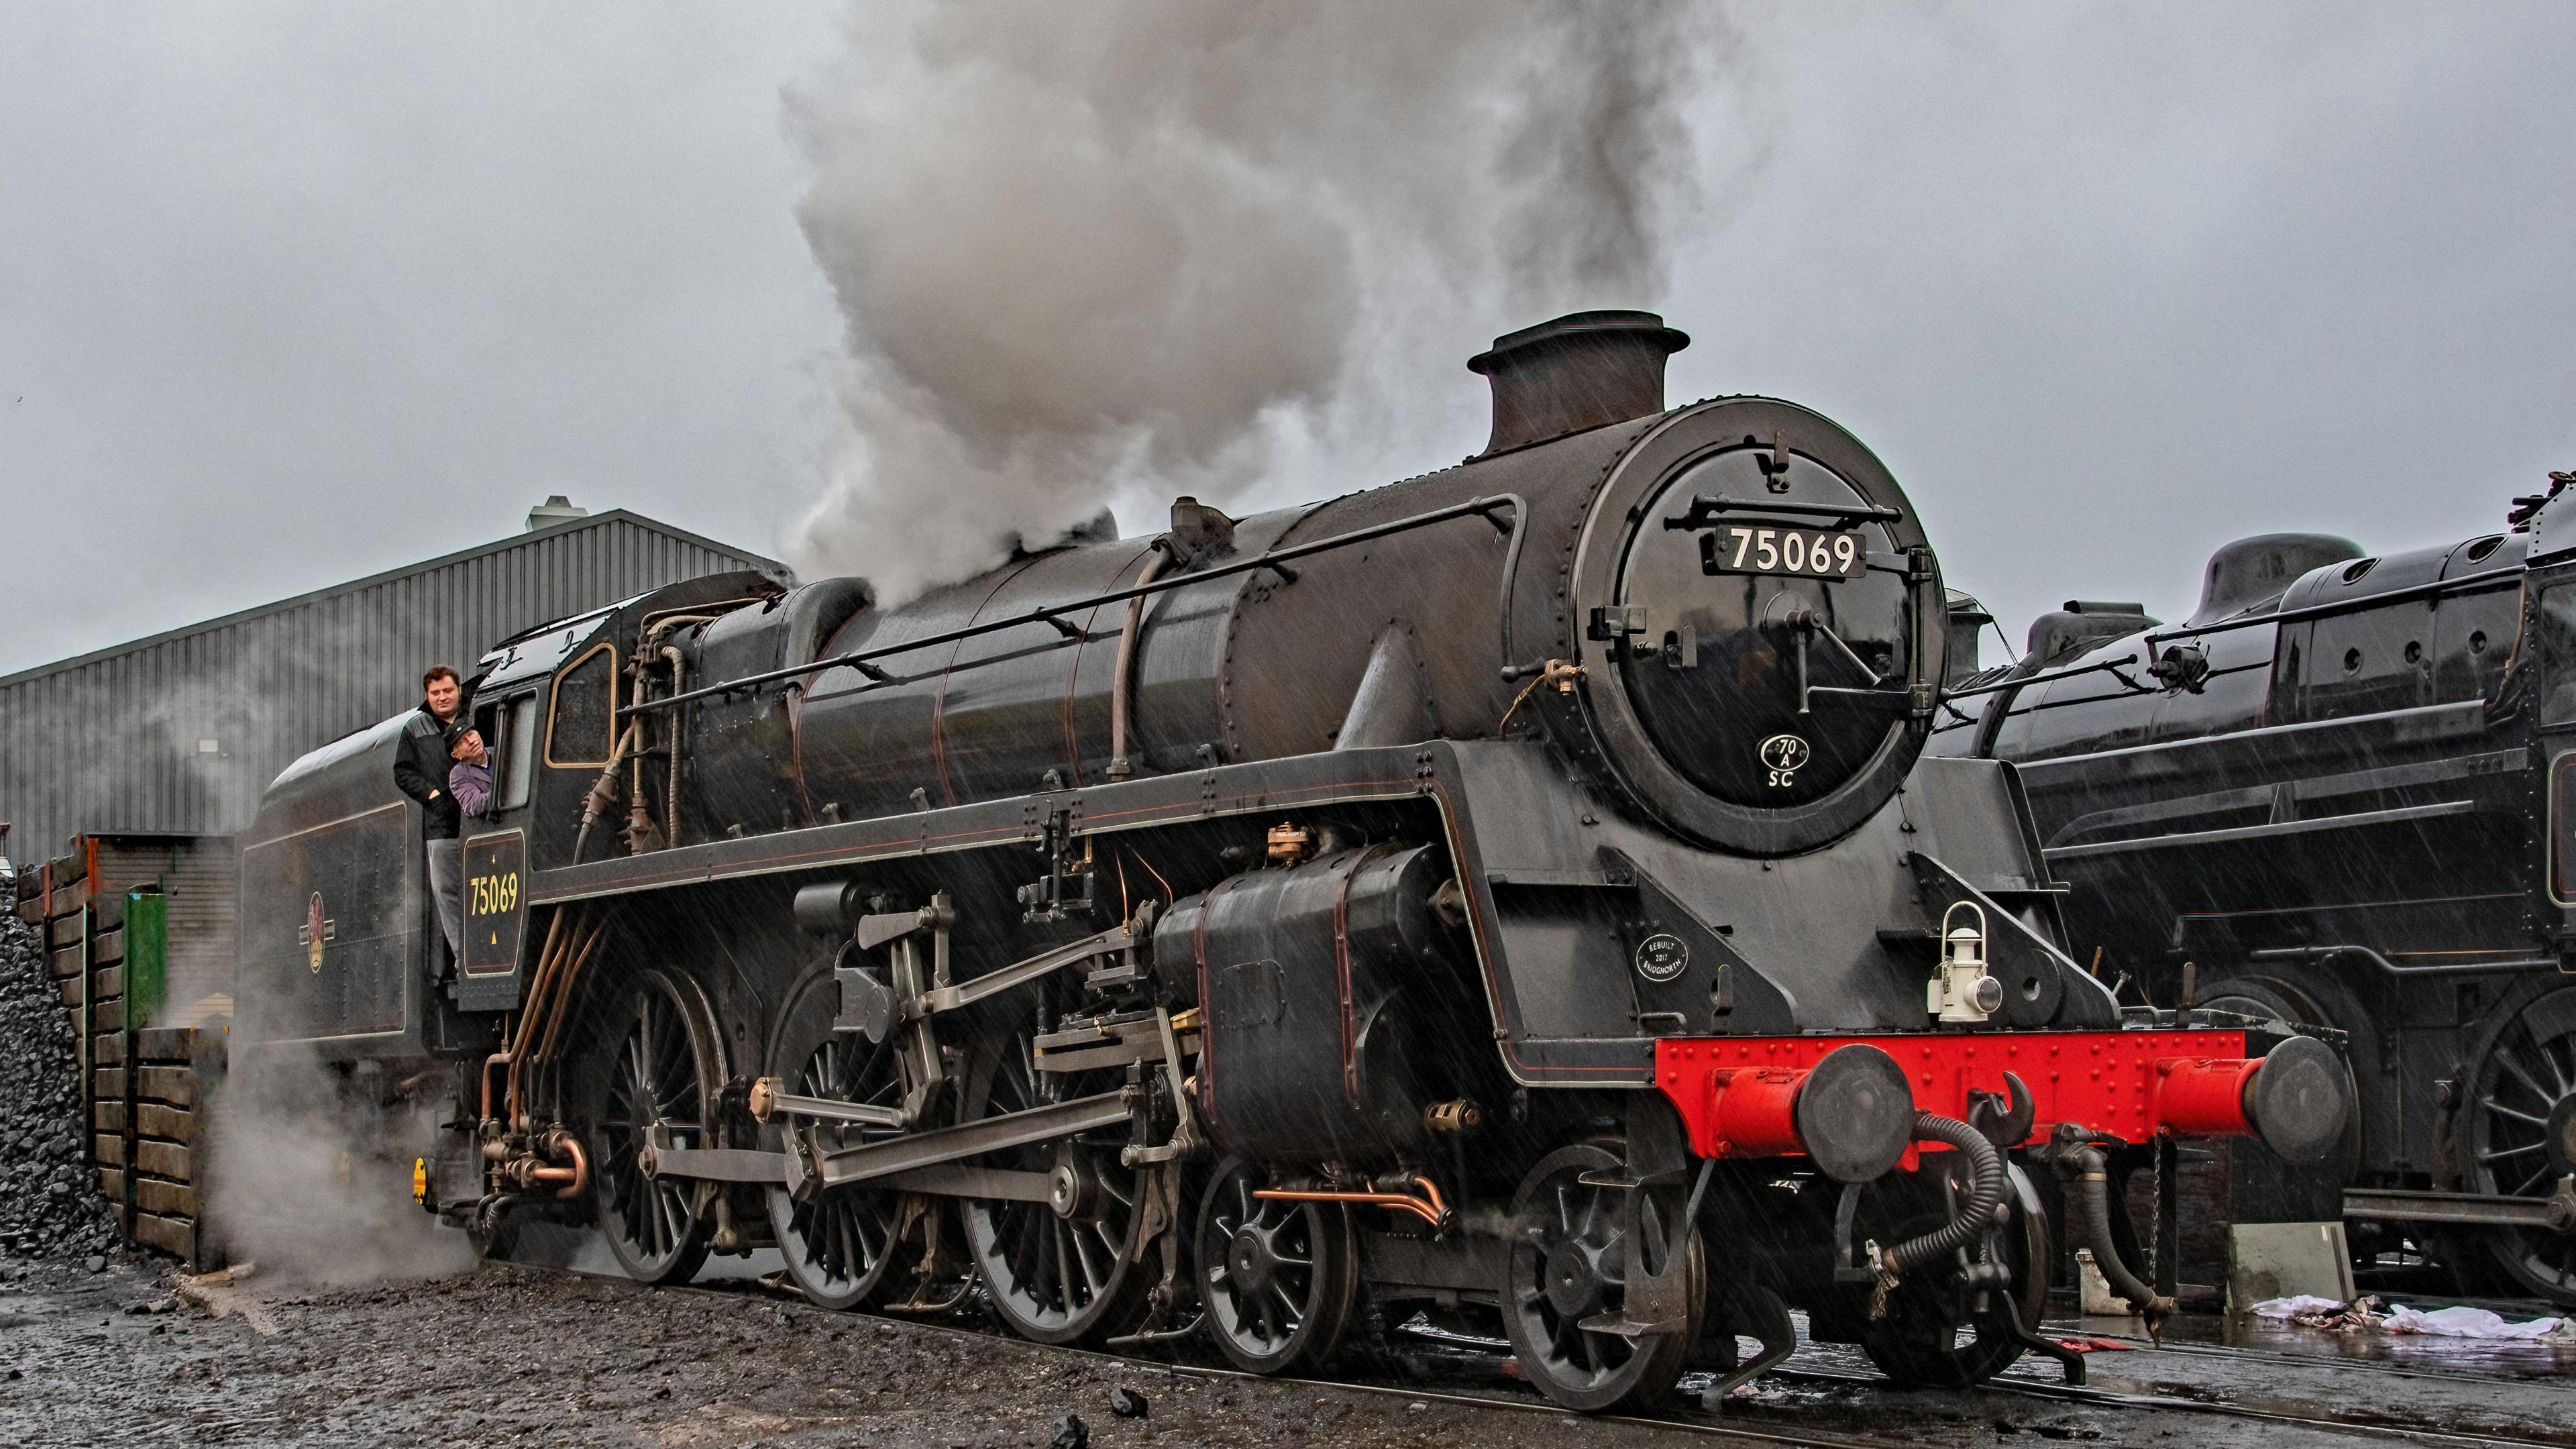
(420, 771)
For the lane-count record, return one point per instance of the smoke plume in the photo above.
(1104, 252)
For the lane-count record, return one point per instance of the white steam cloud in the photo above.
(312, 1177)
(1086, 252)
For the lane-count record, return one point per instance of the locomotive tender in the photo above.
(1514, 892)
(2343, 792)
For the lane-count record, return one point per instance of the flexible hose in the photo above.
(603, 791)
(1985, 1193)
(2091, 1174)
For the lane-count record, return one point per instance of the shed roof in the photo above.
(179, 732)
(482, 550)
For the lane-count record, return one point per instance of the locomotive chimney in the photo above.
(1583, 370)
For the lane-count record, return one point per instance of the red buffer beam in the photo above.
(1737, 1095)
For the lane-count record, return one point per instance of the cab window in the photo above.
(2554, 632)
(516, 753)
(585, 712)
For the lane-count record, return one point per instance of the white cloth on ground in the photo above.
(2466, 1322)
(2290, 1307)
(2456, 1322)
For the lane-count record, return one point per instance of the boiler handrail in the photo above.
(2491, 579)
(861, 659)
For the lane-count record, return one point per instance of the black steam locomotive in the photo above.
(1511, 893)
(2343, 792)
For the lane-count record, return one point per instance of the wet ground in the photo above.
(504, 1355)
(509, 1355)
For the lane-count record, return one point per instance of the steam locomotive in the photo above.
(2342, 792)
(1514, 894)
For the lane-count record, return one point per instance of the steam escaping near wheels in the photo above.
(316, 1171)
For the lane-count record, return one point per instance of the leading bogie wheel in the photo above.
(841, 1244)
(657, 1063)
(1566, 1279)
(1936, 1334)
(1278, 1279)
(1060, 1265)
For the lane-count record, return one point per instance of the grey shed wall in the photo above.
(201, 877)
(115, 741)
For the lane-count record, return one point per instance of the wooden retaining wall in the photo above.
(145, 1087)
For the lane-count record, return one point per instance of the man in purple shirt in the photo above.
(469, 780)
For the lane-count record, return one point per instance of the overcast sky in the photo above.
(290, 294)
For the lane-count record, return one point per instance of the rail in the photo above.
(2049, 676)
(2492, 579)
(2386, 967)
(864, 660)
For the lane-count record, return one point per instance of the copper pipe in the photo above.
(576, 1177)
(556, 1010)
(532, 1009)
(577, 942)
(639, 815)
(1399, 1201)
(545, 970)
(671, 757)
(583, 935)
(571, 978)
(1427, 1207)
(580, 1166)
(656, 637)
(1121, 675)
(496, 1059)
(549, 964)
(549, 992)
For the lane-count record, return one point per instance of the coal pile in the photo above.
(49, 1201)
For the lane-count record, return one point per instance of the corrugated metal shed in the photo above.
(179, 733)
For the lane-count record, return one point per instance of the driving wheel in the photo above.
(1277, 1278)
(1565, 1288)
(658, 1065)
(1059, 1259)
(840, 1244)
(2515, 1133)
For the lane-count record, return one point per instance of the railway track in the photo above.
(1705, 1426)
(2384, 1368)
(2177, 1403)
(2128, 1409)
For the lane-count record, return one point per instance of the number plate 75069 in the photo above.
(1814, 553)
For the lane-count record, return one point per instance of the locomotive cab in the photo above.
(337, 945)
